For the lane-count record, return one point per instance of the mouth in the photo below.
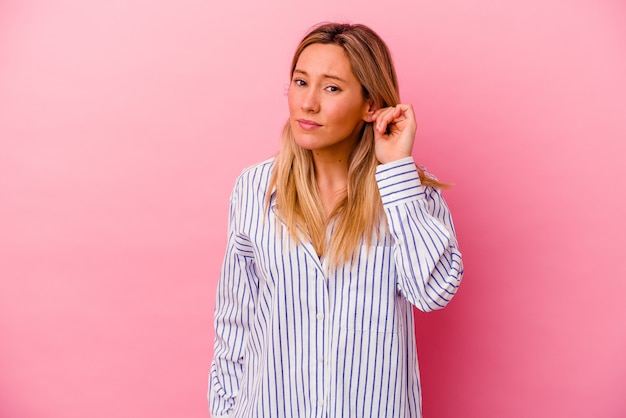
(308, 125)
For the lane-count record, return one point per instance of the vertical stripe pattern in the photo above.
(297, 339)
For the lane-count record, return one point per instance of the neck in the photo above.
(331, 174)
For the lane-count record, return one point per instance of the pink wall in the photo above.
(124, 123)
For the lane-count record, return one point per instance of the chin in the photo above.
(305, 140)
(305, 143)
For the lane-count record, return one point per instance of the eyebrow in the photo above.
(334, 77)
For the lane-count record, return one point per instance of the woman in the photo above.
(330, 245)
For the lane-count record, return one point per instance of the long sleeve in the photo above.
(425, 250)
(234, 311)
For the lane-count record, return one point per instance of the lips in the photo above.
(308, 125)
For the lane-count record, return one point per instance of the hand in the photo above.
(394, 132)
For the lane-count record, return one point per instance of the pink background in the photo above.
(124, 123)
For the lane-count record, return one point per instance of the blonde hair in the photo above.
(359, 214)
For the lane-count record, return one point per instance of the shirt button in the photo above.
(320, 403)
(320, 359)
(320, 316)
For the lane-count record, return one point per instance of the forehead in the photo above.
(325, 59)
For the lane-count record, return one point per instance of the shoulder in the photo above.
(255, 179)
(257, 173)
(259, 167)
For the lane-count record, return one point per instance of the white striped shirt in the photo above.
(296, 339)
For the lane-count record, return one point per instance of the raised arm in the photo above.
(426, 254)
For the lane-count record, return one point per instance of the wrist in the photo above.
(392, 159)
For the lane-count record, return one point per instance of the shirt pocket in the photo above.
(370, 297)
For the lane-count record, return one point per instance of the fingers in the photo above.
(385, 117)
(389, 115)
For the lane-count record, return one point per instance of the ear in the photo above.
(369, 108)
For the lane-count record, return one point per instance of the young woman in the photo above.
(330, 245)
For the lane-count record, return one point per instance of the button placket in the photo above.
(322, 325)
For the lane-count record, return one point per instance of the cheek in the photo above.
(345, 113)
(292, 101)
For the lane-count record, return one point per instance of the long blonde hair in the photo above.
(359, 214)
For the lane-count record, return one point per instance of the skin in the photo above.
(327, 111)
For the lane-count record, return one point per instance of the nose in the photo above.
(310, 101)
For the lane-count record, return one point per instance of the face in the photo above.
(326, 104)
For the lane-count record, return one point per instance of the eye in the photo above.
(333, 89)
(299, 82)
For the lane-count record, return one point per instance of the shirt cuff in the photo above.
(399, 182)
